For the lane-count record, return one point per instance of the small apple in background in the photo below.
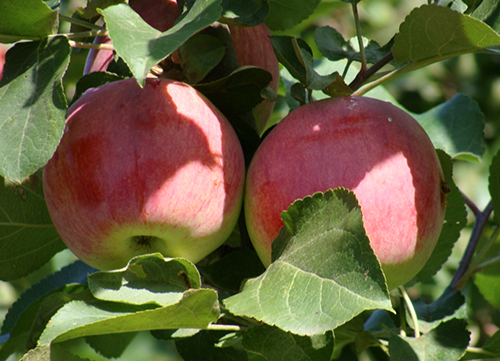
(157, 169)
(366, 145)
(252, 46)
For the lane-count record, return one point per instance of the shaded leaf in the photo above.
(111, 345)
(455, 220)
(149, 46)
(450, 305)
(26, 19)
(93, 80)
(487, 11)
(146, 279)
(229, 272)
(273, 344)
(494, 187)
(29, 239)
(324, 271)
(432, 33)
(493, 344)
(51, 352)
(245, 12)
(204, 346)
(239, 92)
(199, 55)
(91, 11)
(32, 105)
(447, 342)
(196, 309)
(456, 126)
(286, 14)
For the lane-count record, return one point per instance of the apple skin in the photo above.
(252, 46)
(371, 147)
(157, 169)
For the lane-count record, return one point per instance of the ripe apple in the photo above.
(368, 146)
(252, 46)
(140, 170)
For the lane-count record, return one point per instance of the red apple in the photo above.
(368, 146)
(252, 46)
(3, 51)
(140, 170)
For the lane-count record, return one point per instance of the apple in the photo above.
(252, 46)
(371, 147)
(3, 51)
(142, 170)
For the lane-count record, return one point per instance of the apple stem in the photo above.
(360, 37)
(234, 328)
(412, 311)
(361, 78)
(80, 22)
(465, 270)
(77, 44)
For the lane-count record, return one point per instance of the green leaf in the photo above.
(91, 10)
(456, 126)
(146, 279)
(93, 80)
(432, 33)
(54, 352)
(273, 344)
(488, 279)
(454, 221)
(332, 44)
(296, 55)
(286, 14)
(26, 19)
(110, 346)
(488, 12)
(447, 342)
(494, 187)
(199, 55)
(29, 239)
(324, 271)
(493, 344)
(244, 12)
(196, 309)
(239, 92)
(450, 305)
(32, 106)
(204, 346)
(141, 46)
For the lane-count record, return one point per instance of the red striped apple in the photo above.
(366, 145)
(252, 46)
(140, 170)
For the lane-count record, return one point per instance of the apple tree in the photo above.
(99, 97)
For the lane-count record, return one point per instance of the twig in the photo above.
(360, 37)
(462, 274)
(362, 77)
(83, 23)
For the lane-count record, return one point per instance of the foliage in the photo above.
(324, 296)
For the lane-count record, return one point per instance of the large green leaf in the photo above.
(26, 19)
(432, 33)
(196, 309)
(32, 105)
(324, 271)
(28, 238)
(142, 46)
